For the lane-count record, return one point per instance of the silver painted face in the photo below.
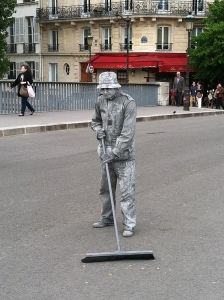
(108, 93)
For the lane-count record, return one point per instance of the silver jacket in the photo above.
(117, 117)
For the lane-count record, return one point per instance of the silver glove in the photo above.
(100, 134)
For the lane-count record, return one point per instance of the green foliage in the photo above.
(207, 53)
(6, 11)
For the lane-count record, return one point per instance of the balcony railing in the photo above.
(11, 48)
(164, 46)
(123, 46)
(53, 48)
(106, 47)
(29, 48)
(83, 47)
(135, 7)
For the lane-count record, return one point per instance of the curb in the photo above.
(9, 131)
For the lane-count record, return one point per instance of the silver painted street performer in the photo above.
(114, 121)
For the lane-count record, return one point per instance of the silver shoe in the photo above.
(128, 233)
(102, 223)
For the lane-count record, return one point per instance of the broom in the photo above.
(118, 254)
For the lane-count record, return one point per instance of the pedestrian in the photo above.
(172, 98)
(199, 94)
(114, 121)
(210, 96)
(23, 79)
(178, 87)
(193, 94)
(219, 96)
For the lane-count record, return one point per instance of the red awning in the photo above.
(173, 64)
(119, 61)
(165, 62)
(144, 61)
(108, 62)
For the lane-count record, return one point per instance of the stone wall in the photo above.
(163, 93)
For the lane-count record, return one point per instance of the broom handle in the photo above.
(111, 199)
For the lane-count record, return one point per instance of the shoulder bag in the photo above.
(23, 91)
(30, 91)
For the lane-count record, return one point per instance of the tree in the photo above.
(207, 52)
(6, 11)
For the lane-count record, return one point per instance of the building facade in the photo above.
(23, 42)
(151, 34)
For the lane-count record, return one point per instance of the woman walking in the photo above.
(24, 78)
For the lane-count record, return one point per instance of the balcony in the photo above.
(105, 47)
(11, 48)
(133, 8)
(29, 48)
(164, 46)
(83, 48)
(123, 46)
(53, 48)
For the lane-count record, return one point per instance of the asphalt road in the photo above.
(49, 200)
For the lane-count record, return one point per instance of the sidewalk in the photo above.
(12, 124)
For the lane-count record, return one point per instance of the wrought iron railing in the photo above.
(123, 46)
(29, 48)
(135, 7)
(53, 48)
(11, 48)
(83, 47)
(106, 47)
(164, 46)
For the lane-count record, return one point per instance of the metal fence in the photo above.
(52, 96)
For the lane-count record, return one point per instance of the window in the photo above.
(11, 47)
(86, 4)
(128, 4)
(106, 39)
(107, 4)
(53, 41)
(30, 30)
(12, 34)
(67, 69)
(32, 68)
(12, 71)
(200, 5)
(53, 72)
(126, 38)
(163, 37)
(30, 36)
(53, 4)
(19, 30)
(163, 5)
(86, 33)
(197, 31)
(122, 76)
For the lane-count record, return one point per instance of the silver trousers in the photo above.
(124, 171)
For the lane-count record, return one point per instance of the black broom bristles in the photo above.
(121, 255)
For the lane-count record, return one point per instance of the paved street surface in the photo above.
(11, 124)
(49, 200)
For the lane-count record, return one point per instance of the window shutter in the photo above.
(16, 30)
(37, 70)
(18, 68)
(19, 30)
(36, 31)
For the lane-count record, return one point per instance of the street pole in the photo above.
(127, 65)
(90, 42)
(90, 64)
(127, 20)
(187, 88)
(189, 27)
